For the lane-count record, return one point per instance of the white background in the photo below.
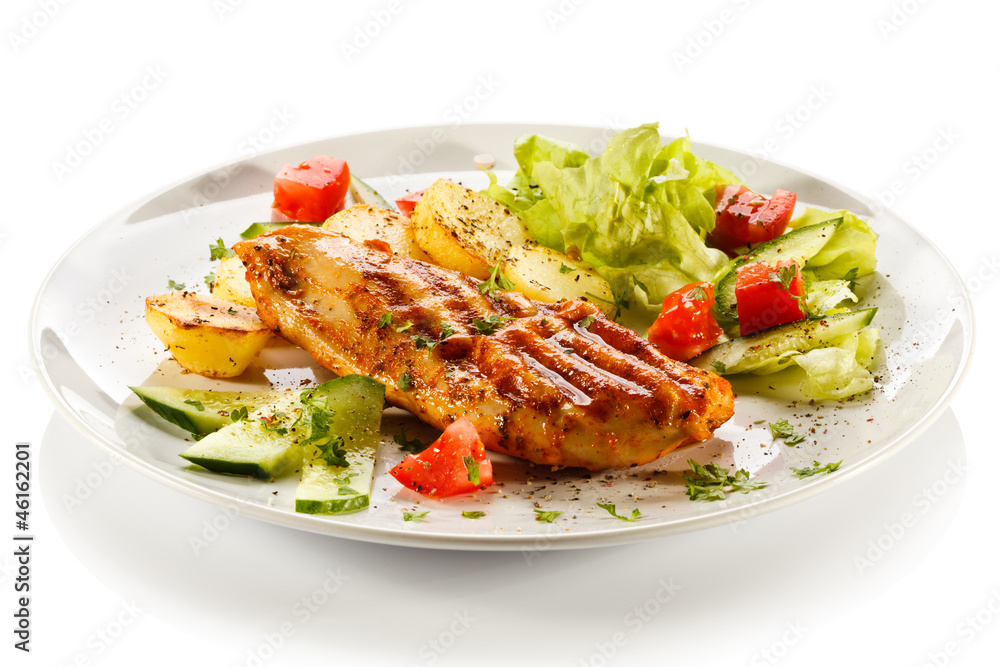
(853, 91)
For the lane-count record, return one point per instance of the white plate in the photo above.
(90, 343)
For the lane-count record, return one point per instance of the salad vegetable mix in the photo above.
(718, 275)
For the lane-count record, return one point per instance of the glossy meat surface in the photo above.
(556, 384)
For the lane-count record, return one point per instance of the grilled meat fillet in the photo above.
(555, 384)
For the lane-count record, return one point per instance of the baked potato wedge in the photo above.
(231, 284)
(363, 223)
(205, 334)
(548, 275)
(465, 230)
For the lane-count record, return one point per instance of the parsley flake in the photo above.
(446, 329)
(331, 450)
(587, 321)
(565, 269)
(420, 341)
(473, 515)
(231, 311)
(610, 508)
(413, 515)
(816, 469)
(384, 321)
(496, 281)
(413, 446)
(177, 287)
(781, 429)
(490, 325)
(546, 516)
(218, 250)
(210, 280)
(238, 414)
(619, 301)
(713, 482)
(404, 326)
(718, 367)
(195, 404)
(472, 468)
(404, 382)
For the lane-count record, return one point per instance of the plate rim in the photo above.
(619, 535)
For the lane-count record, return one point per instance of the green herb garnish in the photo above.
(238, 414)
(331, 450)
(404, 326)
(496, 281)
(210, 280)
(713, 482)
(472, 468)
(177, 287)
(413, 515)
(407, 445)
(816, 469)
(490, 325)
(781, 429)
(565, 269)
(218, 250)
(619, 301)
(446, 330)
(473, 515)
(718, 367)
(195, 404)
(546, 516)
(610, 508)
(384, 321)
(421, 341)
(404, 382)
(587, 321)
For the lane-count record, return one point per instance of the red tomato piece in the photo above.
(409, 202)
(312, 191)
(686, 327)
(444, 469)
(767, 296)
(743, 217)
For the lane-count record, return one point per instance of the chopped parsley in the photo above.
(619, 301)
(413, 515)
(473, 515)
(231, 311)
(718, 367)
(713, 482)
(404, 382)
(490, 325)
(239, 413)
(781, 429)
(404, 326)
(210, 280)
(496, 281)
(421, 342)
(637, 283)
(816, 469)
(195, 404)
(851, 275)
(331, 450)
(697, 293)
(177, 287)
(587, 321)
(446, 329)
(546, 516)
(407, 445)
(384, 321)
(610, 508)
(218, 250)
(565, 269)
(472, 468)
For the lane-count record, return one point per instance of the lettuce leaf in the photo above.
(850, 252)
(636, 212)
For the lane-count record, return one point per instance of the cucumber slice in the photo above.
(258, 228)
(746, 353)
(366, 194)
(354, 404)
(798, 245)
(251, 447)
(200, 412)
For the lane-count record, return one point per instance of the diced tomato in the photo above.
(444, 469)
(409, 202)
(743, 217)
(767, 296)
(686, 327)
(312, 191)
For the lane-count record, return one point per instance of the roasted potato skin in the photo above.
(364, 223)
(205, 334)
(465, 230)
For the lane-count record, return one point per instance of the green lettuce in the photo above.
(850, 252)
(637, 212)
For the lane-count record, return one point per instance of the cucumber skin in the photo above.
(358, 402)
(258, 228)
(241, 468)
(346, 505)
(813, 329)
(725, 288)
(168, 402)
(366, 194)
